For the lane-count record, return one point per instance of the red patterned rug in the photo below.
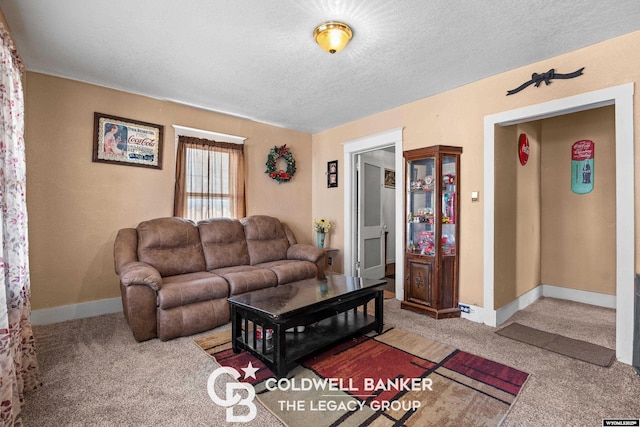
(396, 378)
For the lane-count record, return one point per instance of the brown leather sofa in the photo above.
(176, 275)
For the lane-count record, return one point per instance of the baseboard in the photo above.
(523, 301)
(476, 314)
(76, 311)
(585, 297)
(497, 317)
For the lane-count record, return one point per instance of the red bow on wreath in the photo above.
(283, 151)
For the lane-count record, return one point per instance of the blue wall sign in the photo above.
(582, 172)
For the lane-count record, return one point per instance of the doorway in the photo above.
(622, 98)
(375, 242)
(391, 139)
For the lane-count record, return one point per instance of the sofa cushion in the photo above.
(288, 271)
(266, 239)
(171, 245)
(191, 288)
(246, 278)
(223, 243)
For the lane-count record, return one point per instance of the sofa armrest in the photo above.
(310, 253)
(125, 248)
(140, 273)
(304, 252)
(139, 307)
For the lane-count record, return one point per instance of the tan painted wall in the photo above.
(506, 214)
(456, 118)
(528, 225)
(517, 214)
(76, 206)
(578, 240)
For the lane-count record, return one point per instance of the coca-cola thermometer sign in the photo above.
(523, 149)
(582, 163)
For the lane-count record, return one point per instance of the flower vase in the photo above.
(320, 239)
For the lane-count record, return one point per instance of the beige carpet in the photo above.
(95, 374)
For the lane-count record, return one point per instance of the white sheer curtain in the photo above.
(209, 179)
(17, 347)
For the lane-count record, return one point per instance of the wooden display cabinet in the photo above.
(432, 236)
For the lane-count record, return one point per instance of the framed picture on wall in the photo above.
(332, 174)
(389, 178)
(127, 142)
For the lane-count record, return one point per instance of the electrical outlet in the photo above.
(464, 308)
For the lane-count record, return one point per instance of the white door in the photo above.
(371, 227)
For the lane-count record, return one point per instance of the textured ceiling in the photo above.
(257, 59)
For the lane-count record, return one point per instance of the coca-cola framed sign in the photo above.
(127, 142)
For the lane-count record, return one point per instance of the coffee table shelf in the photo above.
(317, 335)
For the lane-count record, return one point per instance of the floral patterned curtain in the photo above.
(17, 347)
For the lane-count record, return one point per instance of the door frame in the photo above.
(622, 98)
(392, 137)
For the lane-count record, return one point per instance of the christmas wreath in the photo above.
(278, 174)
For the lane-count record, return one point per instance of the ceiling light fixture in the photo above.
(332, 36)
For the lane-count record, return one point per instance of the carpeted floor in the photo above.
(453, 387)
(94, 372)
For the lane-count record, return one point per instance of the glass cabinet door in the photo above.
(448, 205)
(421, 206)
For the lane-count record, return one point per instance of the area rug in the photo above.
(396, 378)
(580, 350)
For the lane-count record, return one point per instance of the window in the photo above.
(209, 179)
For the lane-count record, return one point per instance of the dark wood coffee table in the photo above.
(326, 308)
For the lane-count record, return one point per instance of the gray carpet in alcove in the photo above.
(577, 349)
